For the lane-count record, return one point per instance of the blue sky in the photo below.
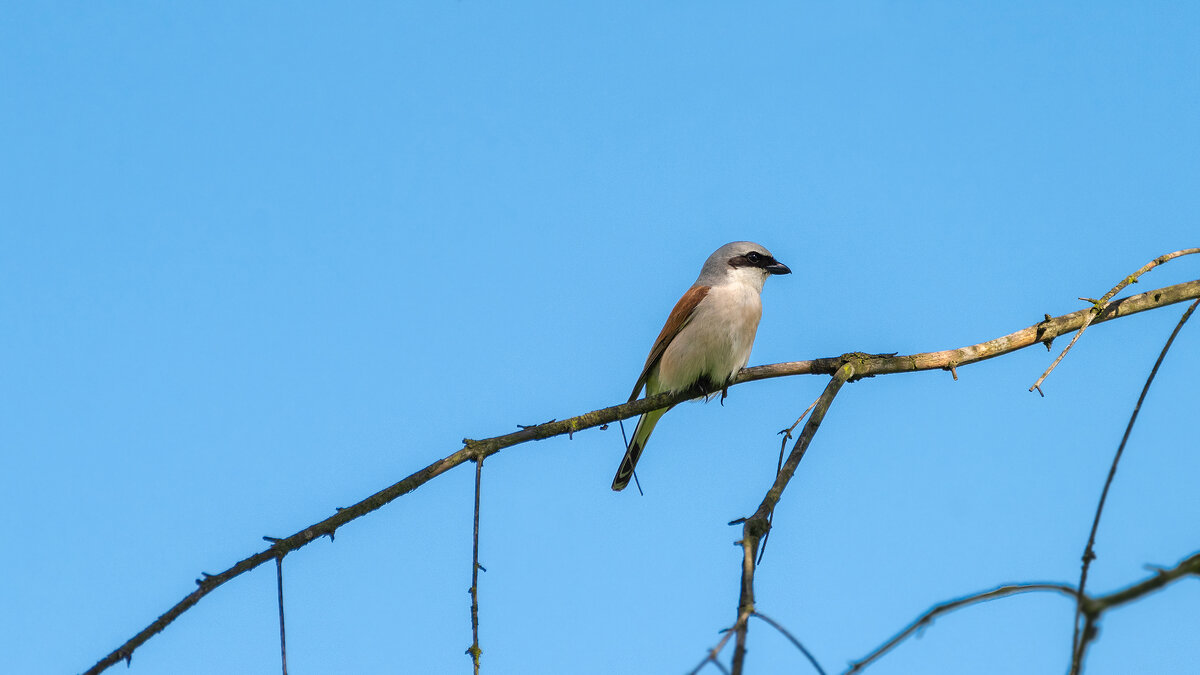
(261, 260)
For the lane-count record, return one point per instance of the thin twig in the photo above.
(1098, 305)
(794, 641)
(949, 606)
(474, 651)
(1038, 333)
(282, 632)
(1081, 635)
(711, 656)
(787, 436)
(1093, 607)
(756, 526)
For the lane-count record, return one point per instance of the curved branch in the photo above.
(792, 638)
(1093, 607)
(864, 366)
(949, 606)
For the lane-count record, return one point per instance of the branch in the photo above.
(1097, 305)
(757, 525)
(1161, 578)
(1042, 332)
(711, 656)
(811, 659)
(1093, 607)
(1080, 636)
(864, 366)
(282, 630)
(949, 606)
(474, 651)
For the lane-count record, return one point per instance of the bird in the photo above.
(707, 338)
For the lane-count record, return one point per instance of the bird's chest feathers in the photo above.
(716, 343)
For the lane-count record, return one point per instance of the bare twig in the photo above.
(949, 606)
(474, 651)
(756, 526)
(1098, 306)
(745, 602)
(711, 656)
(787, 436)
(1189, 566)
(794, 641)
(787, 433)
(720, 666)
(282, 632)
(1093, 607)
(1081, 635)
(1041, 332)
(877, 365)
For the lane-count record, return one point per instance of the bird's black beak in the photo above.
(778, 268)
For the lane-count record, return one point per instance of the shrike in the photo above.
(707, 338)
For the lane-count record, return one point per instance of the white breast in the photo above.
(716, 343)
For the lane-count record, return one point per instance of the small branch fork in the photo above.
(1083, 634)
(1093, 607)
(865, 365)
(1098, 307)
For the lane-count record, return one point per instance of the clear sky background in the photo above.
(260, 260)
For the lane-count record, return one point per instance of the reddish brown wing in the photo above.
(675, 323)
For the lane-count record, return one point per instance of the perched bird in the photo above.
(707, 338)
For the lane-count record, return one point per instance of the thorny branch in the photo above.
(864, 365)
(1081, 636)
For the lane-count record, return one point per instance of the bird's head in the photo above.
(741, 261)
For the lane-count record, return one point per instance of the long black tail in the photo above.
(634, 452)
(625, 472)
